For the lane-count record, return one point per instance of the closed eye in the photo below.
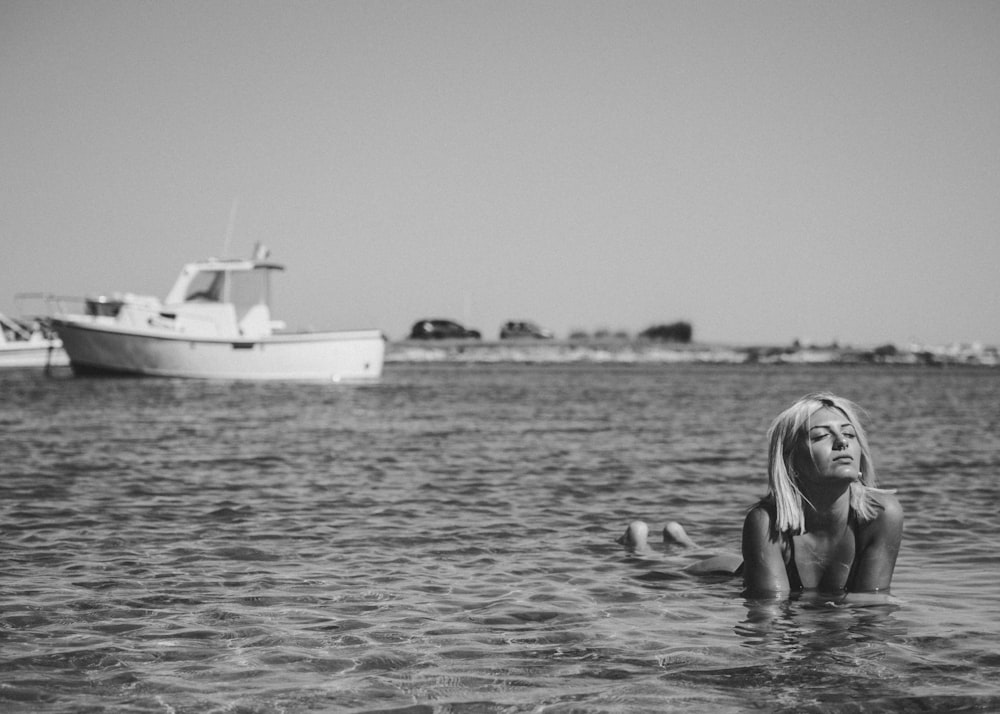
(818, 436)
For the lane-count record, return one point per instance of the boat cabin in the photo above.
(211, 298)
(232, 295)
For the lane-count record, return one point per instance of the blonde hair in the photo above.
(786, 433)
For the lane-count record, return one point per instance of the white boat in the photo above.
(25, 343)
(215, 323)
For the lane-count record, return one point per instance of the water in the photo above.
(444, 541)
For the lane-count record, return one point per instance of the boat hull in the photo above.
(32, 354)
(321, 356)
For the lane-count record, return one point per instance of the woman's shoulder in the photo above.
(889, 513)
(892, 509)
(761, 520)
(888, 505)
(763, 512)
(885, 498)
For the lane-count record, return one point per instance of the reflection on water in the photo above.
(824, 656)
(445, 539)
(817, 634)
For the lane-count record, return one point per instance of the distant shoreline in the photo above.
(624, 351)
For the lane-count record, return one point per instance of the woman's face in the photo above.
(830, 449)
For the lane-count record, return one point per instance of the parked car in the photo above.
(513, 329)
(438, 329)
(674, 332)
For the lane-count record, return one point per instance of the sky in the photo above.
(767, 171)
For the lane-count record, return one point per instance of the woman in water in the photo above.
(823, 526)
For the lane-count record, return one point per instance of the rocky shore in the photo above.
(651, 351)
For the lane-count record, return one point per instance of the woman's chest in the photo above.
(824, 563)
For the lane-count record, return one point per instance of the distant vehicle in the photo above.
(438, 329)
(674, 332)
(514, 329)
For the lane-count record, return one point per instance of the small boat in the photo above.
(215, 323)
(29, 343)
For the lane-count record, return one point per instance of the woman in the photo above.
(823, 526)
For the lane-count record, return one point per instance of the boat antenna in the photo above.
(230, 226)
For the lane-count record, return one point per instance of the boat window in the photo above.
(206, 287)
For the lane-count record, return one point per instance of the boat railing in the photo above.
(45, 306)
(49, 305)
(35, 312)
(141, 311)
(40, 306)
(14, 330)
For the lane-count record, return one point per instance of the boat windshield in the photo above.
(206, 286)
(242, 288)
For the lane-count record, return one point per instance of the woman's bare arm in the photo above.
(764, 573)
(879, 545)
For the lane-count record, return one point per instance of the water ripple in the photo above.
(444, 541)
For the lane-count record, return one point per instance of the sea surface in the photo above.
(445, 541)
